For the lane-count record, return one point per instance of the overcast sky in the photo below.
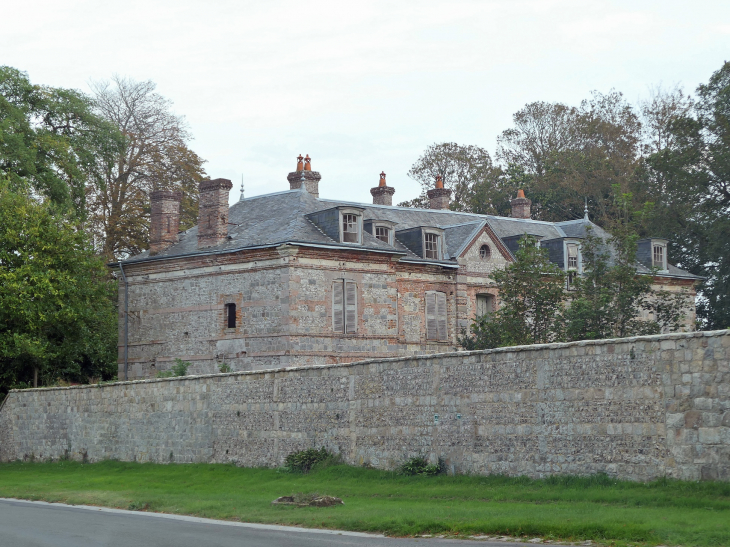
(361, 86)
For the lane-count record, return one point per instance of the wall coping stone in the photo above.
(508, 349)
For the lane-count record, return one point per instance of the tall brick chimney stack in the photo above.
(382, 193)
(305, 176)
(521, 206)
(439, 197)
(164, 219)
(213, 212)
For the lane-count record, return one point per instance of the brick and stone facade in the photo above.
(634, 408)
(261, 285)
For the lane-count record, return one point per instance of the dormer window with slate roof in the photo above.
(659, 255)
(351, 225)
(431, 245)
(382, 230)
(424, 241)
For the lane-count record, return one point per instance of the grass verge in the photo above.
(598, 508)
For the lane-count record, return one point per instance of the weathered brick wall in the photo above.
(635, 408)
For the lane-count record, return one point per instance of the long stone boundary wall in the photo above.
(635, 408)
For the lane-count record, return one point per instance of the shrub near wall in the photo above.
(635, 408)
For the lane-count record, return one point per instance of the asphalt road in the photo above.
(38, 524)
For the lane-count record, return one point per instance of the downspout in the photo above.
(126, 322)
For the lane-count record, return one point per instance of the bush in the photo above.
(420, 466)
(225, 367)
(304, 460)
(180, 368)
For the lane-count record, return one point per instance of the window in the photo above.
(572, 256)
(485, 252)
(570, 280)
(431, 246)
(658, 257)
(231, 316)
(436, 316)
(383, 234)
(485, 304)
(344, 306)
(350, 228)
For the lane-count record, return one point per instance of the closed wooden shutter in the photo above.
(441, 314)
(338, 318)
(350, 306)
(431, 322)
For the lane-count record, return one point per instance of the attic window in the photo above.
(572, 256)
(485, 252)
(432, 246)
(383, 234)
(350, 227)
(659, 256)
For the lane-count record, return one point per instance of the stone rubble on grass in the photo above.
(317, 501)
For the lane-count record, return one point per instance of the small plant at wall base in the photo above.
(420, 466)
(180, 368)
(225, 367)
(304, 460)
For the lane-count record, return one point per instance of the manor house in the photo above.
(292, 278)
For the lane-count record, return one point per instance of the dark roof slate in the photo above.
(274, 219)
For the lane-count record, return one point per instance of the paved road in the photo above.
(38, 524)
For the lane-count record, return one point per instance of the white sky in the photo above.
(361, 86)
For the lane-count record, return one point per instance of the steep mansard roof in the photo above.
(275, 219)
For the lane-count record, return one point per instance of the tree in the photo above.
(609, 297)
(532, 294)
(51, 140)
(57, 312)
(461, 168)
(567, 154)
(155, 156)
(689, 179)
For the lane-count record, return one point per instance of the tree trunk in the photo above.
(35, 376)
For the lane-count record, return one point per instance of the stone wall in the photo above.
(636, 408)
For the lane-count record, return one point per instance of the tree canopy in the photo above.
(57, 312)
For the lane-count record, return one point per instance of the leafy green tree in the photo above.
(462, 168)
(57, 314)
(531, 294)
(610, 300)
(51, 140)
(689, 182)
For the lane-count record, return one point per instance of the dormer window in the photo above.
(572, 256)
(383, 233)
(432, 246)
(350, 226)
(659, 256)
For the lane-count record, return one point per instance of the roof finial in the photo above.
(241, 198)
(382, 179)
(439, 182)
(585, 210)
(307, 163)
(300, 164)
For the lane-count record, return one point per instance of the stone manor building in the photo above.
(292, 278)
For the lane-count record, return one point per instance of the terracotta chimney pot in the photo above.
(382, 193)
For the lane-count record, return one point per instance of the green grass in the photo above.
(560, 508)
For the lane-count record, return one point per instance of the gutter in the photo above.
(126, 323)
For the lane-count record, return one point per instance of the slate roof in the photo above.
(274, 219)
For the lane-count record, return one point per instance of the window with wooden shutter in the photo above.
(338, 306)
(344, 306)
(350, 307)
(441, 315)
(436, 326)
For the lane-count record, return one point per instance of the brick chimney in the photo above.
(304, 176)
(213, 212)
(439, 197)
(164, 219)
(521, 206)
(382, 193)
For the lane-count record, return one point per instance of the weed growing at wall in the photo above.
(305, 460)
(180, 368)
(420, 466)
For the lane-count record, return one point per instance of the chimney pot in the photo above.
(304, 176)
(213, 212)
(382, 193)
(521, 206)
(439, 197)
(164, 219)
